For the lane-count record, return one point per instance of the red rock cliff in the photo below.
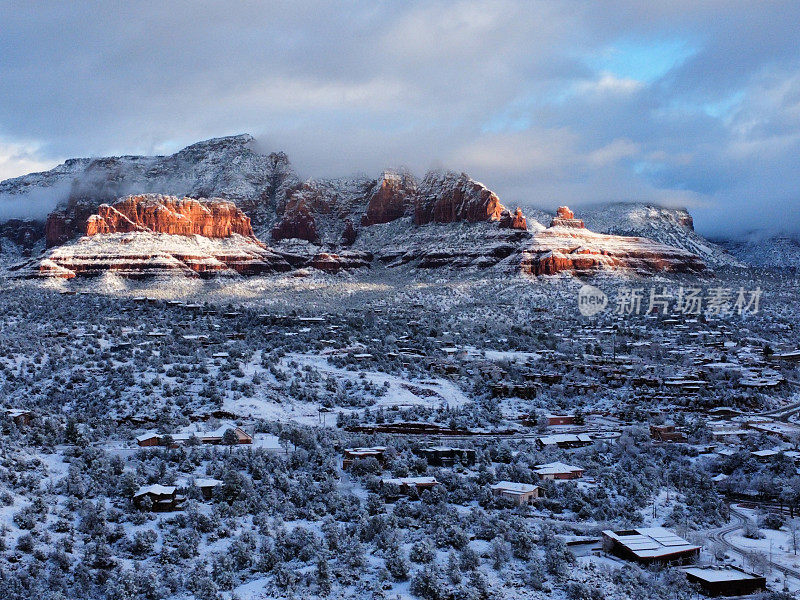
(297, 222)
(449, 197)
(567, 246)
(566, 218)
(392, 197)
(514, 220)
(213, 218)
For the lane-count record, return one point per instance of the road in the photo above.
(784, 412)
(740, 519)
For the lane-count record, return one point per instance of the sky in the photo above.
(680, 103)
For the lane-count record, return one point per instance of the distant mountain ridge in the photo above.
(327, 213)
(774, 251)
(670, 226)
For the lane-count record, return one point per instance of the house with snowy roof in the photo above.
(206, 486)
(648, 545)
(408, 485)
(160, 498)
(152, 438)
(558, 470)
(725, 580)
(445, 456)
(564, 440)
(519, 493)
(353, 454)
(20, 416)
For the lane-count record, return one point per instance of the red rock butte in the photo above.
(213, 218)
(567, 246)
(566, 218)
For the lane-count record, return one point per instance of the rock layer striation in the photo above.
(567, 246)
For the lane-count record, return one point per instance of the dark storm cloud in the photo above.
(679, 103)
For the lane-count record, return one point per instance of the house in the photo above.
(20, 416)
(441, 367)
(548, 378)
(560, 420)
(444, 456)
(723, 434)
(725, 580)
(724, 412)
(785, 431)
(666, 433)
(407, 485)
(649, 545)
(178, 439)
(519, 493)
(162, 498)
(564, 440)
(764, 456)
(149, 439)
(514, 390)
(453, 352)
(719, 479)
(353, 454)
(215, 437)
(558, 470)
(794, 355)
(206, 486)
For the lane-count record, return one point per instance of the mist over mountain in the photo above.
(283, 205)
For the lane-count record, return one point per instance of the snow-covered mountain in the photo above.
(327, 213)
(567, 245)
(782, 251)
(671, 226)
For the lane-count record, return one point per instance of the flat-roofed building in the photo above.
(149, 439)
(406, 485)
(206, 486)
(666, 433)
(565, 440)
(725, 580)
(354, 454)
(650, 545)
(786, 431)
(445, 456)
(519, 493)
(558, 470)
(178, 439)
(560, 420)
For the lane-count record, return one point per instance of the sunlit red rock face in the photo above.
(513, 221)
(147, 235)
(449, 198)
(213, 218)
(326, 212)
(391, 199)
(566, 218)
(567, 246)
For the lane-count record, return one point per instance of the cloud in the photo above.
(35, 203)
(547, 103)
(19, 158)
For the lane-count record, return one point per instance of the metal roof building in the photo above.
(649, 545)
